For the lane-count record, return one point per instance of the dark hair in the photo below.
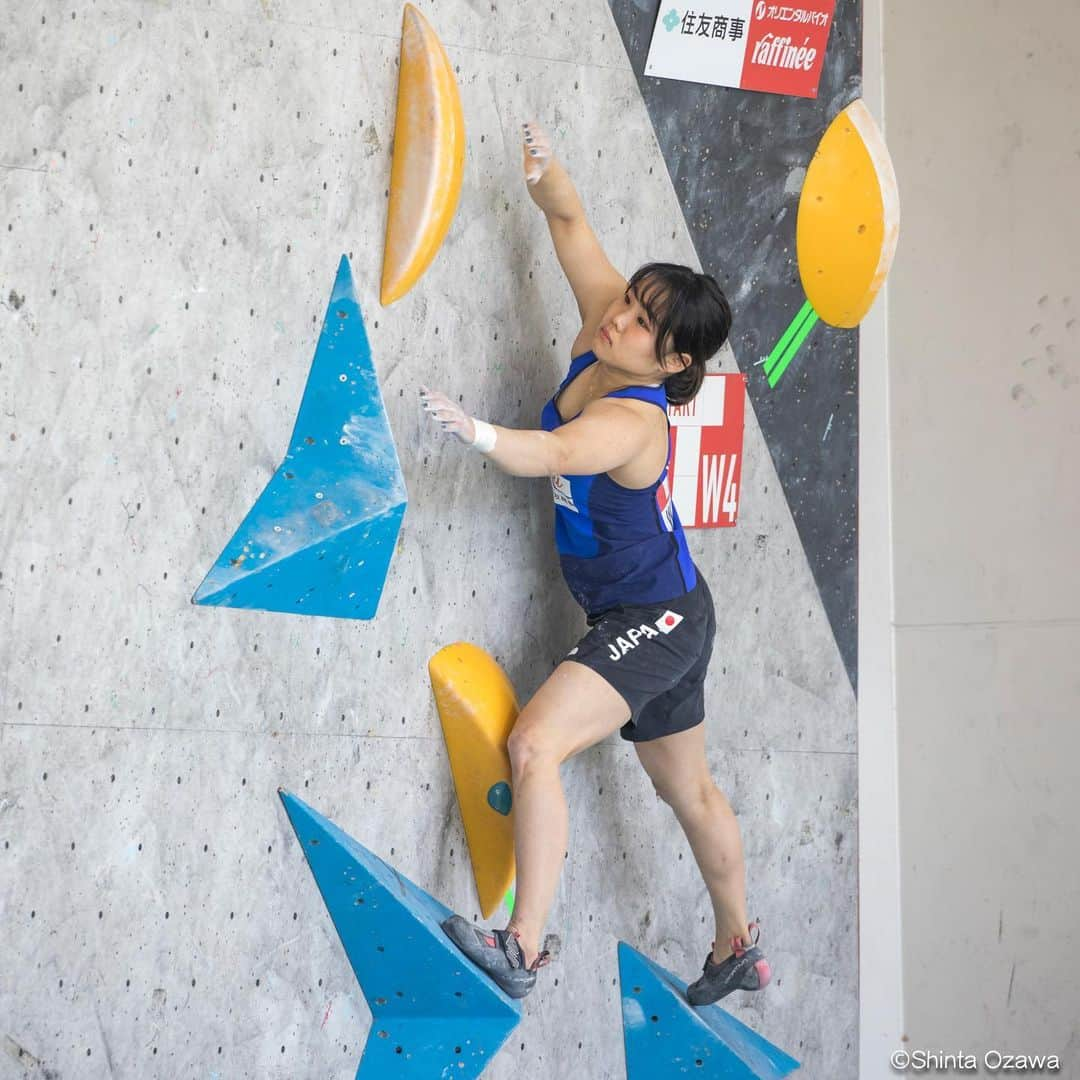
(691, 315)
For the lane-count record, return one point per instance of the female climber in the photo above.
(640, 669)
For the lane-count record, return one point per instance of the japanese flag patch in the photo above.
(668, 621)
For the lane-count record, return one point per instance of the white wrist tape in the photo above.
(485, 437)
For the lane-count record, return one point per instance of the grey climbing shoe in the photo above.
(745, 969)
(497, 954)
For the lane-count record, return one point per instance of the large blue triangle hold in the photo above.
(319, 539)
(434, 1014)
(665, 1036)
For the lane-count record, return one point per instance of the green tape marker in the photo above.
(785, 340)
(508, 899)
(793, 348)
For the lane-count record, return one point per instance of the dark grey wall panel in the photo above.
(737, 160)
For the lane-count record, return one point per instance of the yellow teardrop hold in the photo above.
(849, 219)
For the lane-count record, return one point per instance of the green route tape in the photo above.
(790, 343)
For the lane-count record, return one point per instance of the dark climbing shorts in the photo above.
(655, 656)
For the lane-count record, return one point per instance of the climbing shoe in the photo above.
(497, 954)
(745, 969)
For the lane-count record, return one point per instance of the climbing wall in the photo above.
(177, 189)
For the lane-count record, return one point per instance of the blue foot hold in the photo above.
(665, 1036)
(433, 1013)
(318, 540)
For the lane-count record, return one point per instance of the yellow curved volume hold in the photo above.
(429, 157)
(478, 708)
(849, 218)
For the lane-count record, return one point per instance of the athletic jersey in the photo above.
(617, 545)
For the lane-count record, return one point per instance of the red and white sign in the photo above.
(705, 469)
(752, 44)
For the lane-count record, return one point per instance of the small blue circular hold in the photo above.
(499, 797)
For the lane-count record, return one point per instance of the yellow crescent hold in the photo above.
(849, 218)
(429, 157)
(478, 707)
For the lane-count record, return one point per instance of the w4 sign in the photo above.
(705, 468)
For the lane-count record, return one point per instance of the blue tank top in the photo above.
(617, 545)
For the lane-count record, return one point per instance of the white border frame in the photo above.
(881, 1005)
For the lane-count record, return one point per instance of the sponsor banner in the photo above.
(752, 44)
(705, 468)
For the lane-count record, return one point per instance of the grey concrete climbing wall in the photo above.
(176, 188)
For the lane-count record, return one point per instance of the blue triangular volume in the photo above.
(319, 539)
(433, 1013)
(665, 1036)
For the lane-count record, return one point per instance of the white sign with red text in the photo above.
(752, 44)
(705, 468)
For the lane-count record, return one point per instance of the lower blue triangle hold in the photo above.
(433, 1013)
(665, 1036)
